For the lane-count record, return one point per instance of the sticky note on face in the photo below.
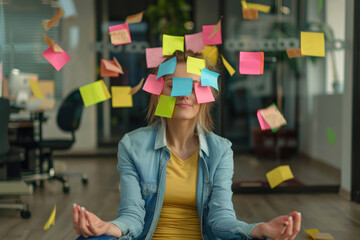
(154, 57)
(215, 39)
(172, 43)
(165, 107)
(120, 34)
(211, 53)
(272, 116)
(279, 175)
(311, 232)
(251, 63)
(331, 136)
(57, 59)
(293, 52)
(167, 67)
(108, 68)
(195, 65)
(312, 44)
(194, 42)
(121, 96)
(51, 220)
(228, 67)
(35, 88)
(203, 94)
(181, 87)
(209, 78)
(94, 93)
(153, 85)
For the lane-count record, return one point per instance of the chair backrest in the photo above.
(70, 111)
(4, 122)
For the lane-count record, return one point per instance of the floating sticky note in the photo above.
(272, 116)
(228, 67)
(135, 18)
(167, 67)
(51, 44)
(262, 122)
(49, 24)
(153, 85)
(194, 42)
(279, 175)
(251, 63)
(93, 93)
(110, 68)
(181, 87)
(120, 34)
(216, 29)
(312, 44)
(209, 78)
(154, 57)
(203, 94)
(331, 136)
(165, 107)
(69, 8)
(195, 65)
(57, 59)
(293, 52)
(311, 232)
(215, 39)
(259, 7)
(250, 13)
(320, 5)
(323, 236)
(121, 96)
(135, 89)
(172, 43)
(210, 53)
(51, 220)
(35, 88)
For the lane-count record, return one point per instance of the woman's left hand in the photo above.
(280, 228)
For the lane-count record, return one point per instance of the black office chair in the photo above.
(11, 184)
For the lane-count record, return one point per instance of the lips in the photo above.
(183, 105)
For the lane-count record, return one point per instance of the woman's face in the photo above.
(186, 107)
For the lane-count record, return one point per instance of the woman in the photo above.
(176, 177)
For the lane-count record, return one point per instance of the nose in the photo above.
(183, 97)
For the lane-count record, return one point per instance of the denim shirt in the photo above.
(142, 158)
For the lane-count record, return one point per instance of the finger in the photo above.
(289, 228)
(82, 224)
(297, 224)
(75, 216)
(90, 223)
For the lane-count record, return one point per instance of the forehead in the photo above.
(180, 71)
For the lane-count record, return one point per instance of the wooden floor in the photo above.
(328, 212)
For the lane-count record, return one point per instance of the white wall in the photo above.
(76, 35)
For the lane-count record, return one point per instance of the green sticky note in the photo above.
(331, 136)
(94, 93)
(195, 65)
(320, 5)
(172, 43)
(165, 107)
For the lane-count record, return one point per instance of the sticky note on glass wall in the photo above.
(250, 13)
(228, 67)
(94, 93)
(172, 43)
(279, 175)
(57, 59)
(194, 42)
(35, 88)
(167, 67)
(154, 57)
(109, 68)
(294, 52)
(259, 7)
(209, 78)
(211, 53)
(153, 85)
(135, 18)
(165, 107)
(120, 34)
(312, 44)
(195, 65)
(181, 87)
(121, 96)
(331, 136)
(251, 63)
(203, 94)
(213, 40)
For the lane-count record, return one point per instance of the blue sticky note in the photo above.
(167, 67)
(209, 78)
(181, 87)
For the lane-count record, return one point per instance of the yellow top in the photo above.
(179, 218)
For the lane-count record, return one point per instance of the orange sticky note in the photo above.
(54, 19)
(135, 18)
(109, 68)
(121, 96)
(50, 42)
(137, 87)
(250, 13)
(216, 29)
(293, 52)
(279, 175)
(312, 44)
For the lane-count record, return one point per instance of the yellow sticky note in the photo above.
(35, 88)
(94, 93)
(228, 67)
(244, 4)
(210, 53)
(121, 96)
(51, 220)
(312, 44)
(279, 175)
(323, 236)
(172, 43)
(195, 65)
(259, 7)
(311, 232)
(165, 106)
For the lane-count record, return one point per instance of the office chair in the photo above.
(11, 184)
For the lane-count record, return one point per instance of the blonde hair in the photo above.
(203, 118)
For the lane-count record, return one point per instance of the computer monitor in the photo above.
(19, 86)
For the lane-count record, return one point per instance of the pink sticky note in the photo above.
(153, 85)
(251, 63)
(118, 27)
(215, 39)
(194, 42)
(154, 57)
(203, 94)
(57, 59)
(262, 122)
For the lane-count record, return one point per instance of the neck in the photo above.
(180, 134)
